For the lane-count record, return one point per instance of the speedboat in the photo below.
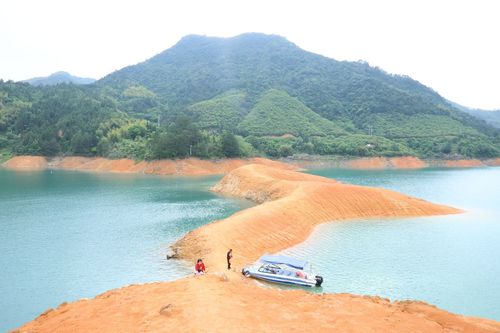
(281, 269)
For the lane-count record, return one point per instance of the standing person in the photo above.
(229, 256)
(199, 268)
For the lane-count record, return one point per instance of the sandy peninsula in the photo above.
(290, 205)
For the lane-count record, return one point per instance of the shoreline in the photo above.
(199, 167)
(382, 163)
(291, 205)
(181, 167)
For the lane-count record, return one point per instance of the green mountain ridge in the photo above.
(491, 117)
(276, 98)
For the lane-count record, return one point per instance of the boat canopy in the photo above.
(292, 262)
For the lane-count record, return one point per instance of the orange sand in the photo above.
(197, 167)
(292, 203)
(184, 167)
(405, 162)
(368, 163)
(223, 301)
(27, 163)
(213, 304)
(462, 163)
(493, 162)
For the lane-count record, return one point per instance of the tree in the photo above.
(230, 146)
(82, 143)
(158, 146)
(182, 135)
(177, 141)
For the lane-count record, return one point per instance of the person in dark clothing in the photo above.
(229, 256)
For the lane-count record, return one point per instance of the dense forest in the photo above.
(253, 94)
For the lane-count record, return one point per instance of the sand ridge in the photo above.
(291, 205)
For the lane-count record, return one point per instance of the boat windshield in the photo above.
(283, 270)
(291, 262)
(269, 268)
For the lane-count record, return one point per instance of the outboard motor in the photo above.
(319, 280)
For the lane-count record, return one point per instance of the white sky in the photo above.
(451, 46)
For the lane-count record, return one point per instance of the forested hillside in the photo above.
(246, 95)
(491, 117)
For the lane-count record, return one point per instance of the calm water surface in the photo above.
(67, 235)
(451, 261)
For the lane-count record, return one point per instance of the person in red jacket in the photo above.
(199, 268)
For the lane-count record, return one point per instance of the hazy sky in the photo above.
(451, 46)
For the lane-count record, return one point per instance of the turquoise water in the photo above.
(68, 235)
(451, 261)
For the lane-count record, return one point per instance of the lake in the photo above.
(450, 261)
(67, 235)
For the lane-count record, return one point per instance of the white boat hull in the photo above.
(284, 280)
(284, 270)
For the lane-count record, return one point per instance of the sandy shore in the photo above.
(26, 163)
(181, 167)
(198, 167)
(377, 163)
(291, 204)
(216, 304)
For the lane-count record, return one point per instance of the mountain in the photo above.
(492, 117)
(58, 78)
(354, 96)
(205, 96)
(198, 68)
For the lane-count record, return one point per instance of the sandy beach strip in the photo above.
(180, 167)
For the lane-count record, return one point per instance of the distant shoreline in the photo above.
(181, 167)
(379, 163)
(199, 167)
